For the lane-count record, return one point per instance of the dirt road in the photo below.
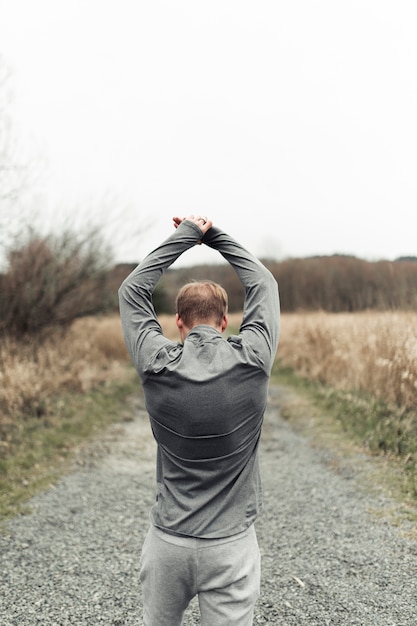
(330, 557)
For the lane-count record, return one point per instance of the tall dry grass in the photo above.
(370, 351)
(90, 353)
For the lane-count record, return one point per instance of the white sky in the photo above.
(291, 123)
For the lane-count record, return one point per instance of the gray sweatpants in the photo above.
(223, 573)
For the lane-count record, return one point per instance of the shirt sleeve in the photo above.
(141, 329)
(261, 313)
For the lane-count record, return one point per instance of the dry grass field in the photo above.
(371, 352)
(91, 353)
(56, 393)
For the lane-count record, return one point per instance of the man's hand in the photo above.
(201, 221)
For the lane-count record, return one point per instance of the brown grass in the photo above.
(91, 353)
(371, 352)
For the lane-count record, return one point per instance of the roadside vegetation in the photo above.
(54, 395)
(358, 373)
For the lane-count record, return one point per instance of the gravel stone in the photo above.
(327, 558)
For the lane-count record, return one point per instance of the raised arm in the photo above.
(141, 329)
(261, 314)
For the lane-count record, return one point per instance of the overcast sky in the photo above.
(291, 123)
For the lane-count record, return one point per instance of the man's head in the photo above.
(201, 302)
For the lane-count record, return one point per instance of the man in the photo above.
(206, 399)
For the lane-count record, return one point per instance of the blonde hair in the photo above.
(201, 301)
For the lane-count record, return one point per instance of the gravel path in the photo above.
(326, 559)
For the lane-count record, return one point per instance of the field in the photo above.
(361, 367)
(371, 352)
(33, 372)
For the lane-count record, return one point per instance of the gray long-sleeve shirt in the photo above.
(205, 398)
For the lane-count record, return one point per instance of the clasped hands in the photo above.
(201, 221)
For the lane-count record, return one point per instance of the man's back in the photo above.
(206, 403)
(205, 397)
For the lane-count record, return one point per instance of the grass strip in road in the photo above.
(40, 449)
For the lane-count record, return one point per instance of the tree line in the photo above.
(330, 283)
(345, 283)
(51, 281)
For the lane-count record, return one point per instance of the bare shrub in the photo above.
(346, 284)
(50, 281)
